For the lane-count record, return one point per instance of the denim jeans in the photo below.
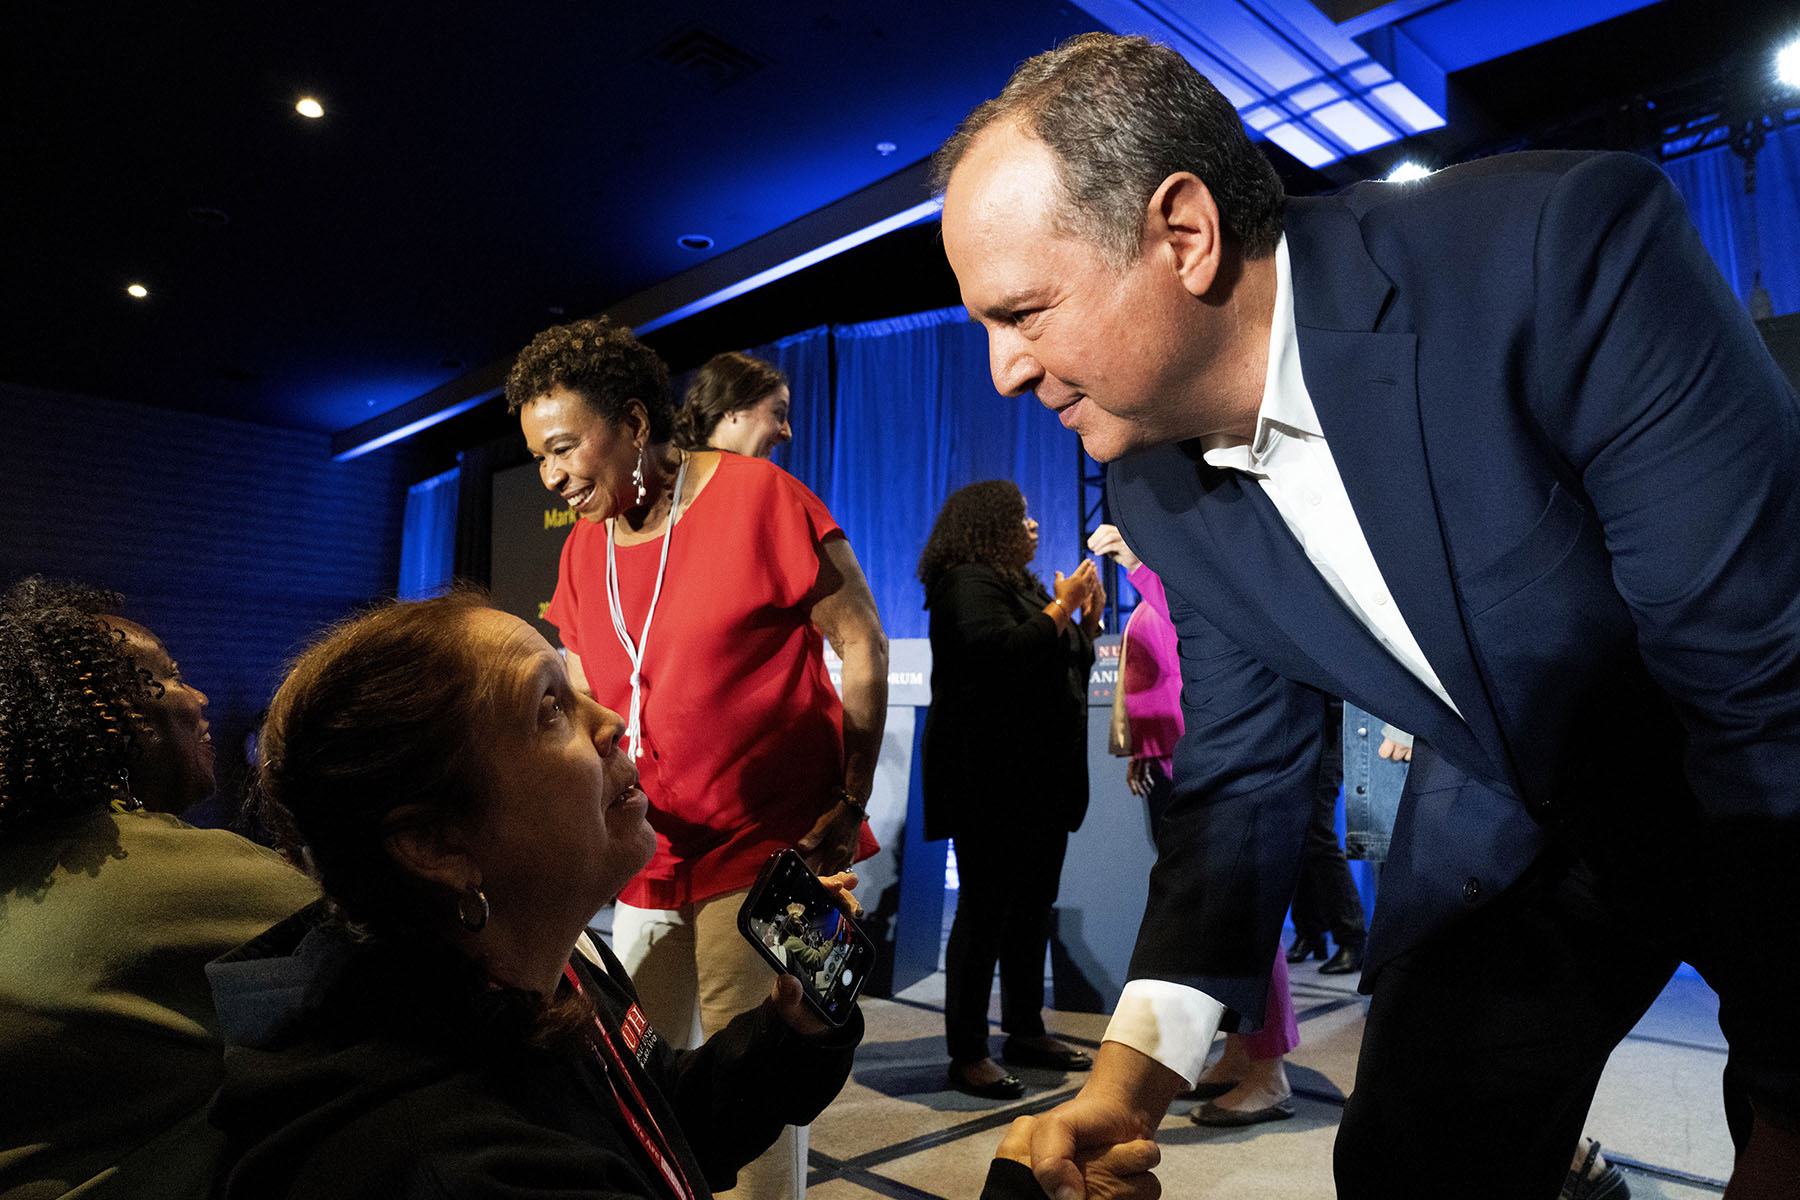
(1371, 787)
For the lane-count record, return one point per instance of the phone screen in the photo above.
(792, 919)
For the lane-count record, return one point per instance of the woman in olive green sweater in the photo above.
(110, 906)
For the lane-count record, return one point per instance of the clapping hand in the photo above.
(1074, 591)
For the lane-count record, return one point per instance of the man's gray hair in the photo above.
(1122, 114)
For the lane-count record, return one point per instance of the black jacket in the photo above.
(376, 1087)
(1006, 736)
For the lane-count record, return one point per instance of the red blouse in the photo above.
(743, 742)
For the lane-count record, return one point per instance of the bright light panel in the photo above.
(308, 107)
(1315, 95)
(1412, 112)
(1301, 145)
(911, 216)
(1351, 124)
(1787, 64)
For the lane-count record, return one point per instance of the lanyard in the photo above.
(635, 1109)
(635, 650)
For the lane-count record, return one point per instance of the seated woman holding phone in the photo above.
(441, 1024)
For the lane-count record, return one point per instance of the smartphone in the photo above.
(795, 923)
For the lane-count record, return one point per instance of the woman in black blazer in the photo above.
(1005, 767)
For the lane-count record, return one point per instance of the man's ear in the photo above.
(436, 853)
(1183, 219)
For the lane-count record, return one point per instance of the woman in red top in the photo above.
(695, 597)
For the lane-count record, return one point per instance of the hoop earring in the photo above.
(637, 476)
(478, 922)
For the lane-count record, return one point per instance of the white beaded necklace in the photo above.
(635, 650)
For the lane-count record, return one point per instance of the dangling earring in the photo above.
(637, 476)
(122, 790)
(472, 897)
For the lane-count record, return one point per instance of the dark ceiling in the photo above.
(484, 170)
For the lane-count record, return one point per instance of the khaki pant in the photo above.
(694, 972)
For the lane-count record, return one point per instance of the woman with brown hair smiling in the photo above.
(737, 403)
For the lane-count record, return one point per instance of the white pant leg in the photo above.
(657, 947)
(733, 979)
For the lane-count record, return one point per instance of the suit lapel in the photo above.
(1309, 634)
(1363, 386)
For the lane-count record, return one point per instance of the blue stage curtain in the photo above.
(1712, 183)
(917, 417)
(428, 537)
(805, 358)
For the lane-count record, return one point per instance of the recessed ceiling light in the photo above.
(136, 291)
(1407, 170)
(694, 241)
(1787, 64)
(308, 107)
(885, 148)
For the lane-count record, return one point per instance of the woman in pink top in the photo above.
(1247, 1084)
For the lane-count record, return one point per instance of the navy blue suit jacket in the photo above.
(1575, 465)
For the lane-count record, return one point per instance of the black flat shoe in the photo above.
(1207, 1091)
(1582, 1184)
(1306, 946)
(1007, 1087)
(1066, 1058)
(1346, 961)
(1231, 1118)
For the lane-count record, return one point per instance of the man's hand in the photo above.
(1122, 1102)
(1391, 749)
(1076, 1134)
(1109, 541)
(1115, 1173)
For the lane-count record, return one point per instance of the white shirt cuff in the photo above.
(1170, 1022)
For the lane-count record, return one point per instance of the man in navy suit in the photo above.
(1496, 455)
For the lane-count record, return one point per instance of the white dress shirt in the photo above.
(1288, 457)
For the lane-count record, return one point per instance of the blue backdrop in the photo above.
(892, 417)
(1733, 225)
(428, 541)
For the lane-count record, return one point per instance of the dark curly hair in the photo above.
(1122, 114)
(723, 385)
(982, 524)
(67, 691)
(600, 362)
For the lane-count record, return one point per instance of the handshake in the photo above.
(1062, 1169)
